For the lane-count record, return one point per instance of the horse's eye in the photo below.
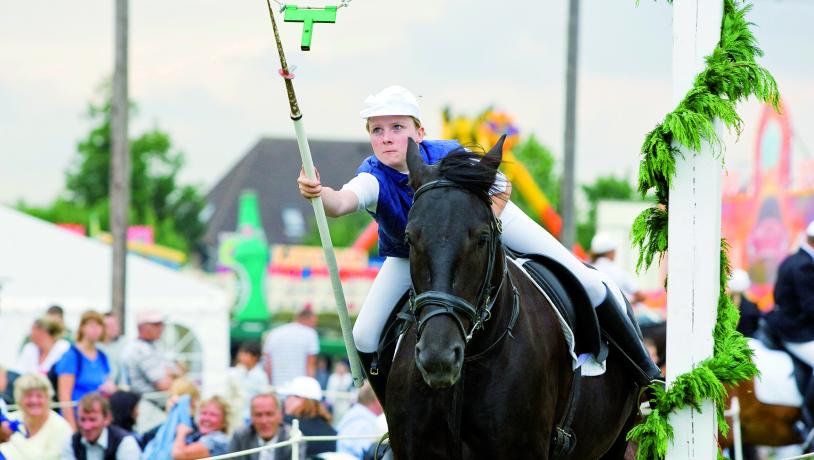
(484, 238)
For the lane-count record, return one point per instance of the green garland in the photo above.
(731, 75)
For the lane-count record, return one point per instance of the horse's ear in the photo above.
(494, 156)
(418, 169)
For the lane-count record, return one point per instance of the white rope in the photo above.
(798, 457)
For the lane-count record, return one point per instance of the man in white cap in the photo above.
(381, 188)
(603, 255)
(738, 285)
(793, 314)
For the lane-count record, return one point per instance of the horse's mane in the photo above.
(470, 170)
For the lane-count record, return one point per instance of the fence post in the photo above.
(296, 437)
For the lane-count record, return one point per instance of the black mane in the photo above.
(469, 170)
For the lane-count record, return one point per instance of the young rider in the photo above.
(380, 187)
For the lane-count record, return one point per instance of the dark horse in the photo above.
(484, 371)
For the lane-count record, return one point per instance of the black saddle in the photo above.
(570, 299)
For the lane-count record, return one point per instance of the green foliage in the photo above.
(156, 197)
(540, 163)
(731, 75)
(603, 188)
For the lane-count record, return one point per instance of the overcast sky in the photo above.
(205, 71)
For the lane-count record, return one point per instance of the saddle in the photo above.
(569, 298)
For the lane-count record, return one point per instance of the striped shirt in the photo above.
(289, 347)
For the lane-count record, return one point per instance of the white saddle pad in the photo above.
(775, 384)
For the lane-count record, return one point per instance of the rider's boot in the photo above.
(376, 373)
(623, 332)
(806, 424)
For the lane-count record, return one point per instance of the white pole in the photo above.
(694, 236)
(296, 437)
(737, 442)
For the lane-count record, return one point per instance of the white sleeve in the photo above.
(366, 188)
(500, 184)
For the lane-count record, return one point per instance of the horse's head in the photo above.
(454, 241)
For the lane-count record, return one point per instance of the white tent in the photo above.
(42, 264)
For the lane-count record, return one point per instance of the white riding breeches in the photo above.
(802, 350)
(520, 233)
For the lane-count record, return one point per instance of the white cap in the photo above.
(304, 387)
(393, 100)
(150, 317)
(739, 281)
(810, 229)
(602, 243)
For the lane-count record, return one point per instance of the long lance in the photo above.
(319, 212)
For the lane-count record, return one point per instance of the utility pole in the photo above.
(119, 165)
(567, 192)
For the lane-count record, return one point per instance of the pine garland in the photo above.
(731, 75)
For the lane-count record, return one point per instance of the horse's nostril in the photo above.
(458, 354)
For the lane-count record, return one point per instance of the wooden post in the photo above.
(119, 166)
(694, 235)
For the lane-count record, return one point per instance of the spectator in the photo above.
(248, 376)
(113, 345)
(145, 370)
(44, 349)
(210, 438)
(143, 367)
(124, 411)
(793, 315)
(266, 427)
(340, 388)
(179, 388)
(57, 314)
(97, 439)
(322, 372)
(291, 350)
(83, 368)
(738, 285)
(360, 420)
(47, 431)
(302, 401)
(603, 255)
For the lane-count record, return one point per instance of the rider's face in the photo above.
(388, 136)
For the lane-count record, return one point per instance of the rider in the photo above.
(381, 188)
(793, 315)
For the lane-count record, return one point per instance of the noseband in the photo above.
(432, 303)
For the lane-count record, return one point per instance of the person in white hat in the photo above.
(392, 117)
(793, 314)
(303, 401)
(603, 256)
(738, 287)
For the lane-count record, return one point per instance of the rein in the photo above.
(442, 303)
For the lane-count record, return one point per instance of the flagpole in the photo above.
(319, 212)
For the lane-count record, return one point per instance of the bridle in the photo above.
(433, 303)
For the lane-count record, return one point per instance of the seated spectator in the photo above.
(124, 410)
(83, 368)
(360, 420)
(266, 428)
(248, 376)
(180, 387)
(302, 401)
(210, 439)
(46, 431)
(44, 349)
(113, 345)
(738, 286)
(97, 438)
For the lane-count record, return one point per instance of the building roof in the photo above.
(270, 168)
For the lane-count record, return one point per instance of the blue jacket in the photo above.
(793, 314)
(396, 196)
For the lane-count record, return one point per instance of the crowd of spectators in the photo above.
(97, 395)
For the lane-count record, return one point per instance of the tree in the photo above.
(604, 188)
(157, 199)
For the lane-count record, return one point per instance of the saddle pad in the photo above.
(590, 366)
(775, 384)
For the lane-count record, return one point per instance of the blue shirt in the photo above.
(396, 196)
(91, 374)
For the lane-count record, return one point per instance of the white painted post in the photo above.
(694, 236)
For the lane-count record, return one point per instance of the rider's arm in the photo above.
(336, 202)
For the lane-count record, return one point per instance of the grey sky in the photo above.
(205, 71)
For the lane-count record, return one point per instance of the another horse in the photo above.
(484, 372)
